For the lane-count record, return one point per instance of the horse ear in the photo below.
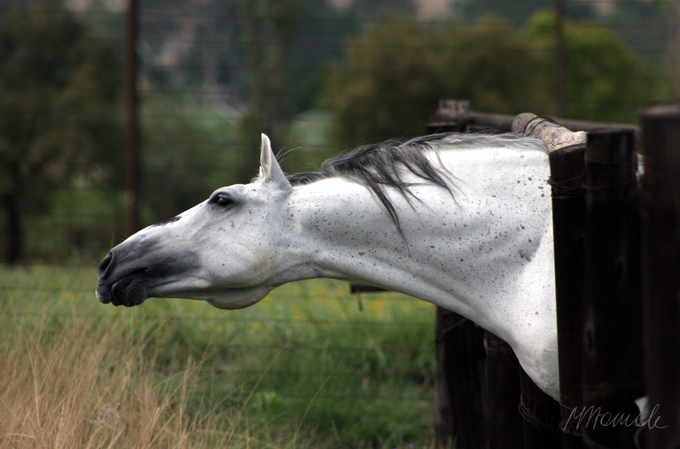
(270, 170)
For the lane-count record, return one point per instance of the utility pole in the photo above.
(132, 137)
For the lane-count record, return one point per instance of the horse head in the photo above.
(224, 250)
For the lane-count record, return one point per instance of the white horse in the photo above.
(460, 220)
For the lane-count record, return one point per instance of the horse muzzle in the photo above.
(139, 268)
(121, 287)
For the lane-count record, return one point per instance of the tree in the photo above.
(395, 73)
(58, 89)
(517, 11)
(605, 80)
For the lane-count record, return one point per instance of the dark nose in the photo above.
(105, 264)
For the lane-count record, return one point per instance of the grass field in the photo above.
(304, 368)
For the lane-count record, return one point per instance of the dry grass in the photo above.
(77, 388)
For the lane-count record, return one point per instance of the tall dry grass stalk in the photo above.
(73, 386)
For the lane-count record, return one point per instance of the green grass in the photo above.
(303, 368)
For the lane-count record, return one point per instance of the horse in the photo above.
(463, 221)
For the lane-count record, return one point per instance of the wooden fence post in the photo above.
(568, 204)
(458, 411)
(566, 167)
(612, 326)
(501, 391)
(661, 271)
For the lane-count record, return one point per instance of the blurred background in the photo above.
(319, 77)
(116, 114)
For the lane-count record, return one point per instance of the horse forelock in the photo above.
(382, 166)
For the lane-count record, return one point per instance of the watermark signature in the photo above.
(594, 416)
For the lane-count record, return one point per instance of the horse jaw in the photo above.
(237, 298)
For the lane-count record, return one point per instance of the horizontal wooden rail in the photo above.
(458, 113)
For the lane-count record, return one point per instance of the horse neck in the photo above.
(481, 255)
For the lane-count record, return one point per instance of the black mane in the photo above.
(381, 166)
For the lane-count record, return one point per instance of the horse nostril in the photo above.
(105, 263)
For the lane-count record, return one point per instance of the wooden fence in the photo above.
(617, 260)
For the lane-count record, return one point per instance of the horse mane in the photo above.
(382, 166)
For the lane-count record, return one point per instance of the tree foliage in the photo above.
(395, 73)
(58, 88)
(518, 11)
(605, 80)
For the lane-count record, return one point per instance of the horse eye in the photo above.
(221, 200)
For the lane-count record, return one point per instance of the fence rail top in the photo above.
(458, 112)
